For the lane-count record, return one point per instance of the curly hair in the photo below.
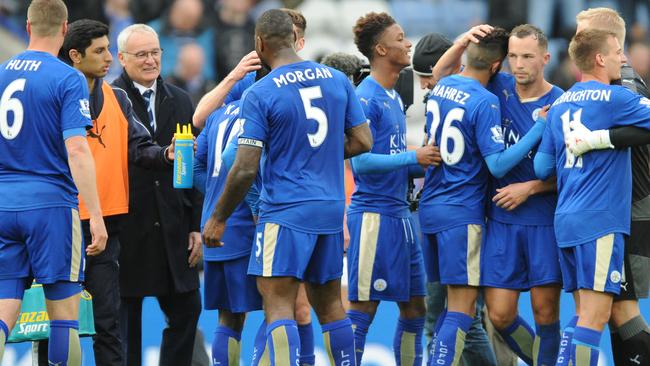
(368, 30)
(491, 48)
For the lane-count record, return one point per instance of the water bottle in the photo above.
(184, 157)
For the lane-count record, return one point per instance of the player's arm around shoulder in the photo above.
(82, 168)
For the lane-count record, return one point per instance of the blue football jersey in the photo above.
(383, 193)
(464, 119)
(517, 118)
(237, 91)
(40, 99)
(222, 126)
(594, 189)
(299, 114)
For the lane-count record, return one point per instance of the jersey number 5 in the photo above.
(9, 104)
(448, 132)
(315, 113)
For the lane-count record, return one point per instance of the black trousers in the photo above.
(182, 311)
(102, 282)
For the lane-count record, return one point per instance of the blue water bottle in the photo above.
(184, 157)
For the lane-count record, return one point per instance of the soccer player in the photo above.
(243, 76)
(593, 211)
(630, 334)
(44, 162)
(384, 257)
(464, 119)
(227, 286)
(298, 115)
(520, 215)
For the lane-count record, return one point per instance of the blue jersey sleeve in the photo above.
(370, 163)
(237, 91)
(544, 165)
(354, 114)
(489, 136)
(75, 111)
(256, 126)
(201, 160)
(502, 162)
(547, 144)
(631, 108)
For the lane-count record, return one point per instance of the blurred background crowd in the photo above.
(204, 39)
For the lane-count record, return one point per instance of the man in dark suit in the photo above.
(156, 258)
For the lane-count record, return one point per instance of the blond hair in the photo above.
(46, 17)
(606, 19)
(586, 44)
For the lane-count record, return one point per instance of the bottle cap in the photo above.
(185, 134)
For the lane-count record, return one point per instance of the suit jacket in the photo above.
(154, 239)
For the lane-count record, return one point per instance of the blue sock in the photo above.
(339, 342)
(4, 335)
(585, 347)
(64, 348)
(360, 324)
(564, 353)
(547, 343)
(450, 337)
(407, 343)
(283, 341)
(225, 346)
(520, 337)
(307, 356)
(431, 347)
(260, 351)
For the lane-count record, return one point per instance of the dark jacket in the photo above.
(154, 239)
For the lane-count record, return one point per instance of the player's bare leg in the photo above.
(305, 329)
(545, 301)
(279, 299)
(9, 310)
(337, 327)
(595, 311)
(503, 305)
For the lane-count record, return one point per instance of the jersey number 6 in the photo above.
(7, 104)
(448, 132)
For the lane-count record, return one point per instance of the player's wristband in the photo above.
(599, 140)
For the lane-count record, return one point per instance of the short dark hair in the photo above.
(79, 37)
(491, 48)
(368, 29)
(348, 64)
(275, 26)
(526, 30)
(298, 20)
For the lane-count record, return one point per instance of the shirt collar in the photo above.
(142, 88)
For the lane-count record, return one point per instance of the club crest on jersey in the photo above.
(84, 107)
(615, 276)
(380, 284)
(497, 134)
(535, 114)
